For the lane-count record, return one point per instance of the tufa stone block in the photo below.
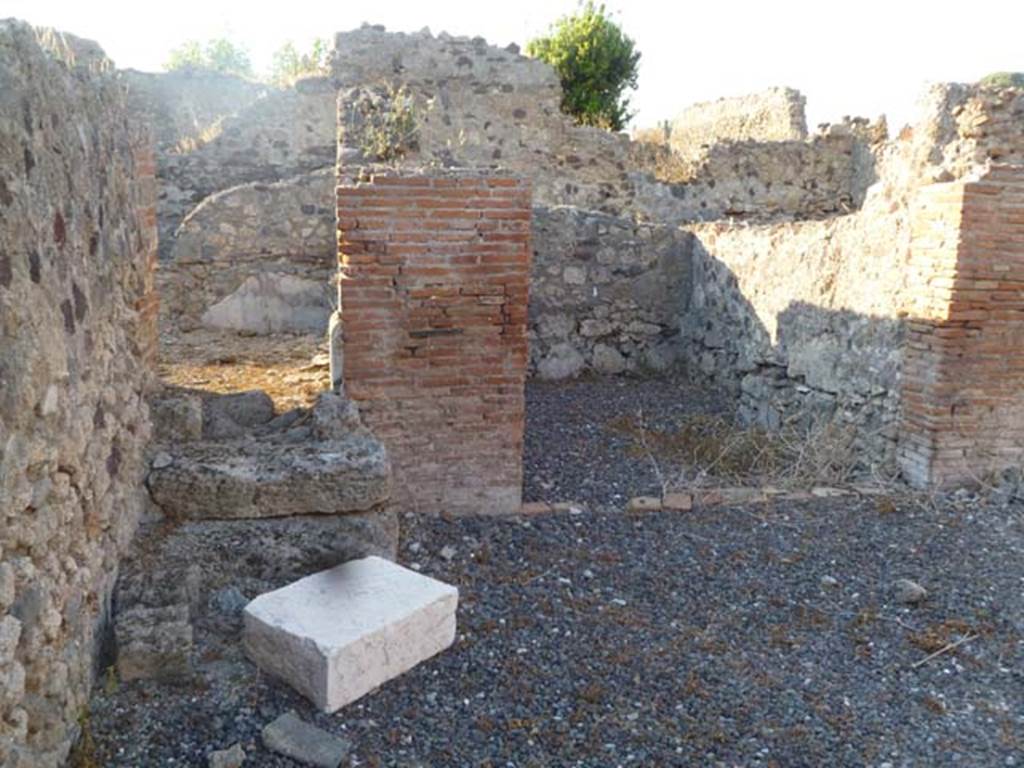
(338, 634)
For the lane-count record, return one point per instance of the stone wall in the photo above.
(963, 406)
(808, 320)
(250, 135)
(823, 176)
(477, 105)
(435, 272)
(801, 320)
(77, 240)
(776, 114)
(606, 293)
(233, 267)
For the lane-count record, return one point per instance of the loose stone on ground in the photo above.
(290, 736)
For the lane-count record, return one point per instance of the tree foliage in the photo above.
(217, 54)
(596, 62)
(288, 64)
(1003, 80)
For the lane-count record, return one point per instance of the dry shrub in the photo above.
(660, 161)
(704, 447)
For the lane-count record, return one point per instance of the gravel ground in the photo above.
(573, 450)
(756, 636)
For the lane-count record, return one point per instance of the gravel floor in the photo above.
(573, 450)
(765, 635)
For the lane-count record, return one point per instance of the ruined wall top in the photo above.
(776, 114)
(371, 54)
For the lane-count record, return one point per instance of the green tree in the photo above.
(288, 64)
(596, 62)
(1003, 80)
(218, 54)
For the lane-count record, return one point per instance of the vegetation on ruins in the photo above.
(388, 126)
(1003, 80)
(288, 63)
(596, 62)
(217, 54)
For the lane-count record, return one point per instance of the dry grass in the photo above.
(703, 448)
(282, 366)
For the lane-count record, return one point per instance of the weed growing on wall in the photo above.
(388, 126)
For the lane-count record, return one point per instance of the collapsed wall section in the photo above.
(77, 244)
(434, 285)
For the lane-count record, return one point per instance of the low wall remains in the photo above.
(434, 283)
(77, 246)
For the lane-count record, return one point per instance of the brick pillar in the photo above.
(963, 376)
(434, 280)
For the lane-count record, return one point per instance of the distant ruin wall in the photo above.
(263, 135)
(77, 241)
(964, 126)
(776, 114)
(606, 293)
(824, 176)
(435, 274)
(258, 258)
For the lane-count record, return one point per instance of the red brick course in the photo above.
(963, 371)
(434, 283)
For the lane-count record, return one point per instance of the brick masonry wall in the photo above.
(963, 403)
(435, 273)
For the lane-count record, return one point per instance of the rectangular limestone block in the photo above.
(340, 633)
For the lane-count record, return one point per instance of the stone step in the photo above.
(266, 478)
(338, 634)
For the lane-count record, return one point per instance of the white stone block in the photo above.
(338, 634)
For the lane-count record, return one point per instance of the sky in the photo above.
(857, 58)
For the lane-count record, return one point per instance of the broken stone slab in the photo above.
(292, 737)
(338, 634)
(153, 643)
(253, 479)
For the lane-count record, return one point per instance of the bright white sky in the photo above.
(855, 58)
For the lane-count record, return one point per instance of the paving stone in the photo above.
(644, 504)
(338, 634)
(292, 737)
(677, 502)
